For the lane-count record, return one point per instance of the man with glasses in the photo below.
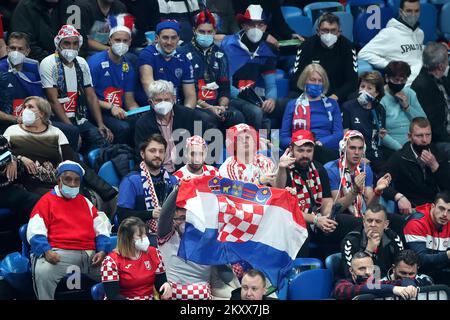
(334, 52)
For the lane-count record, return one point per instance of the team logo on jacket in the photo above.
(125, 67)
(147, 265)
(178, 72)
(238, 222)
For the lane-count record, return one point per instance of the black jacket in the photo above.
(183, 119)
(339, 62)
(433, 103)
(356, 241)
(419, 186)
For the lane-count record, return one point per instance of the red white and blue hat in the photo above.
(121, 22)
(254, 12)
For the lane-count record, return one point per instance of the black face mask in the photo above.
(396, 87)
(361, 279)
(418, 149)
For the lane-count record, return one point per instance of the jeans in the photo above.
(120, 128)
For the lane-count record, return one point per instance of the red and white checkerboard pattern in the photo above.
(152, 225)
(238, 222)
(109, 270)
(191, 291)
(160, 268)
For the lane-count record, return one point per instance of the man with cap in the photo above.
(113, 77)
(66, 230)
(244, 163)
(252, 69)
(308, 180)
(211, 73)
(161, 61)
(67, 82)
(196, 151)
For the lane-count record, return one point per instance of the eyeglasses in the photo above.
(334, 31)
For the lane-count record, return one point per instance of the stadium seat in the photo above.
(282, 87)
(429, 21)
(363, 32)
(333, 263)
(25, 244)
(439, 2)
(313, 284)
(98, 292)
(290, 14)
(395, 4)
(356, 7)
(109, 174)
(302, 26)
(92, 156)
(113, 242)
(444, 24)
(316, 9)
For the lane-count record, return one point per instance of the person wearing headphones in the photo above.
(351, 179)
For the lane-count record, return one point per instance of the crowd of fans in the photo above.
(75, 76)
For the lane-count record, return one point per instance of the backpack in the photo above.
(119, 154)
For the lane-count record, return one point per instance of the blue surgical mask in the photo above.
(204, 40)
(167, 55)
(69, 192)
(314, 90)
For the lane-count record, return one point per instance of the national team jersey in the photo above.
(249, 172)
(177, 70)
(136, 277)
(111, 80)
(185, 174)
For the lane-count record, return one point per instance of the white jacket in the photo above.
(396, 42)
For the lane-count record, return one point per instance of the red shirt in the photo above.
(136, 277)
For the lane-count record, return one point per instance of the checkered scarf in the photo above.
(303, 192)
(347, 184)
(151, 199)
(235, 169)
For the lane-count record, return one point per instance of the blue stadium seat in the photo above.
(346, 20)
(364, 32)
(316, 9)
(282, 87)
(109, 174)
(113, 242)
(356, 7)
(364, 66)
(395, 4)
(98, 292)
(313, 284)
(290, 14)
(444, 24)
(428, 21)
(333, 263)
(92, 156)
(302, 26)
(439, 2)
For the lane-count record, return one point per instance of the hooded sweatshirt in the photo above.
(396, 42)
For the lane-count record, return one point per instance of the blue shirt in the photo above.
(332, 168)
(326, 131)
(111, 80)
(210, 66)
(15, 87)
(131, 191)
(177, 70)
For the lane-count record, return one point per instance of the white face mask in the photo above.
(446, 71)
(254, 34)
(163, 108)
(16, 57)
(142, 244)
(69, 54)
(28, 117)
(120, 48)
(328, 39)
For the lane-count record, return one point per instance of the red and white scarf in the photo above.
(260, 166)
(347, 185)
(301, 119)
(151, 199)
(314, 184)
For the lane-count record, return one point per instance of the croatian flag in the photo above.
(228, 221)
